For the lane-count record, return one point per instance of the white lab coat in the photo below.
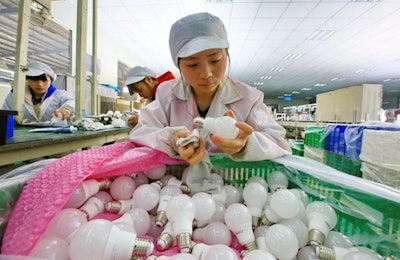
(58, 99)
(174, 108)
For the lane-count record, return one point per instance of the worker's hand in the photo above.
(237, 144)
(132, 121)
(191, 152)
(65, 113)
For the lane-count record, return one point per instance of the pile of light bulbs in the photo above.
(143, 215)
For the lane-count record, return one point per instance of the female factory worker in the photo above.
(144, 81)
(199, 48)
(42, 99)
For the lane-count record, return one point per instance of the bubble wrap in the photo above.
(45, 194)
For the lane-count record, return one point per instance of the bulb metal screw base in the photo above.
(143, 247)
(164, 242)
(113, 206)
(250, 246)
(316, 237)
(255, 221)
(325, 252)
(185, 189)
(161, 218)
(104, 184)
(184, 241)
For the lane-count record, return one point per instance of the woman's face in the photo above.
(204, 70)
(39, 85)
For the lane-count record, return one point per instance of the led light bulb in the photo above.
(301, 195)
(166, 239)
(51, 247)
(228, 195)
(169, 179)
(154, 230)
(119, 207)
(277, 180)
(281, 241)
(259, 233)
(338, 239)
(166, 193)
(219, 213)
(206, 203)
(100, 239)
(157, 173)
(212, 234)
(146, 196)
(258, 255)
(181, 212)
(255, 197)
(340, 253)
(122, 188)
(282, 205)
(321, 219)
(86, 189)
(66, 223)
(217, 252)
(307, 253)
(140, 179)
(299, 229)
(238, 219)
(259, 180)
(96, 204)
(216, 179)
(137, 218)
(222, 126)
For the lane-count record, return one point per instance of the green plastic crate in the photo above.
(314, 136)
(297, 146)
(343, 163)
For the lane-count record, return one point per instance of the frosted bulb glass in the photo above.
(140, 179)
(219, 213)
(339, 253)
(285, 204)
(181, 212)
(216, 179)
(100, 239)
(206, 205)
(259, 180)
(146, 196)
(277, 180)
(218, 252)
(259, 233)
(183, 256)
(238, 219)
(66, 223)
(222, 126)
(321, 219)
(86, 189)
(228, 195)
(307, 253)
(258, 255)
(166, 193)
(301, 195)
(169, 179)
(338, 239)
(52, 248)
(282, 242)
(122, 188)
(138, 218)
(95, 204)
(299, 228)
(157, 173)
(154, 230)
(255, 197)
(212, 234)
(166, 239)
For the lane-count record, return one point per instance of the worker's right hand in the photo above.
(132, 121)
(192, 153)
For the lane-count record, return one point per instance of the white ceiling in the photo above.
(364, 46)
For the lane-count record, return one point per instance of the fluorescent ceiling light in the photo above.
(321, 35)
(293, 56)
(277, 69)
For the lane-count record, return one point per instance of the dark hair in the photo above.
(37, 78)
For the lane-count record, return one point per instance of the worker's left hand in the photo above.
(65, 113)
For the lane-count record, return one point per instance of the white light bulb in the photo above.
(321, 219)
(282, 205)
(301, 195)
(360, 256)
(86, 189)
(258, 255)
(352, 253)
(259, 180)
(146, 196)
(66, 223)
(219, 213)
(140, 179)
(122, 188)
(181, 212)
(222, 126)
(228, 195)
(281, 241)
(166, 193)
(255, 196)
(277, 180)
(100, 239)
(169, 179)
(299, 228)
(154, 230)
(166, 239)
(338, 239)
(307, 253)
(157, 173)
(206, 205)
(51, 247)
(182, 256)
(216, 179)
(137, 218)
(212, 234)
(259, 233)
(95, 205)
(214, 252)
(238, 219)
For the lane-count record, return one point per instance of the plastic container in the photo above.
(314, 136)
(344, 164)
(297, 146)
